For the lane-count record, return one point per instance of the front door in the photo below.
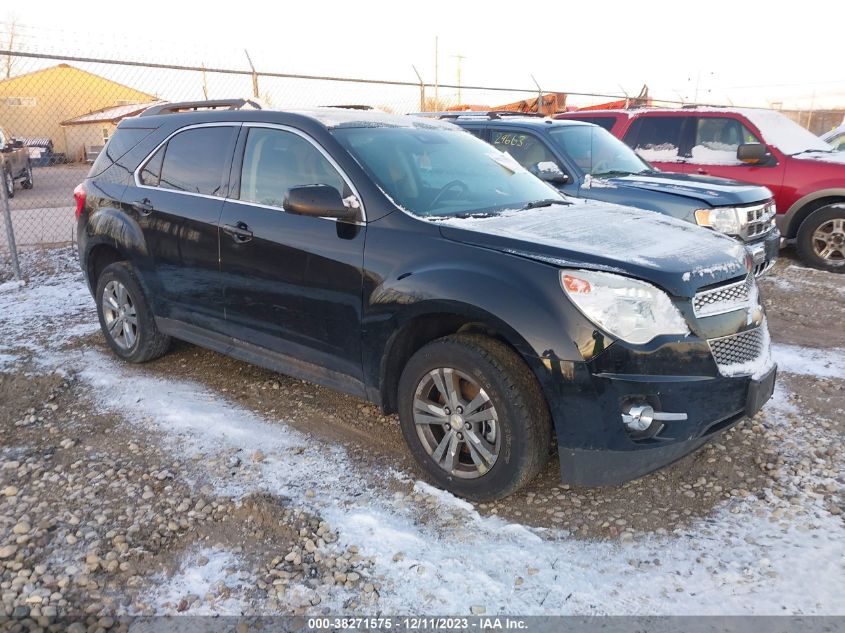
(292, 283)
(177, 199)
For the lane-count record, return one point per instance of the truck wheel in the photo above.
(473, 416)
(27, 181)
(821, 238)
(10, 184)
(125, 316)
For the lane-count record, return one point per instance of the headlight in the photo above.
(628, 309)
(724, 220)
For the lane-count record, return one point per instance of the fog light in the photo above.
(638, 417)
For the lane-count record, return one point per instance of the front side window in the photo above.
(439, 173)
(195, 160)
(527, 149)
(276, 160)
(596, 151)
(717, 139)
(657, 138)
(838, 142)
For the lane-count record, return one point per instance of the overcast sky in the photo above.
(744, 52)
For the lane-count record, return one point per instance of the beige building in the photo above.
(36, 104)
(87, 134)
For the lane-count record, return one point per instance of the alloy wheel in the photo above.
(457, 423)
(119, 315)
(829, 240)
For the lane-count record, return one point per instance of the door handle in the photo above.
(144, 207)
(700, 170)
(239, 232)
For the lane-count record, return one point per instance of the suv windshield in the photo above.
(597, 152)
(443, 173)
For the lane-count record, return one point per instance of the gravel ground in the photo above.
(199, 484)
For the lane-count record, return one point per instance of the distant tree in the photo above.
(9, 42)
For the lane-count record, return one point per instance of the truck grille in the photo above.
(758, 220)
(731, 352)
(734, 296)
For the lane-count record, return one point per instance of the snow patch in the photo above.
(829, 363)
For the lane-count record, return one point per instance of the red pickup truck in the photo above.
(805, 174)
(15, 163)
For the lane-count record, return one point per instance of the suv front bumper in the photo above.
(764, 252)
(586, 401)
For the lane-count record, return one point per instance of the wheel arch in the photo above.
(803, 207)
(428, 323)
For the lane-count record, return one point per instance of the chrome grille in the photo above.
(734, 296)
(758, 220)
(739, 349)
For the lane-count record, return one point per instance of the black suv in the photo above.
(587, 161)
(406, 262)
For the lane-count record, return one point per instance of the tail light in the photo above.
(79, 194)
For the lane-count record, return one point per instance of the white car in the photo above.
(836, 138)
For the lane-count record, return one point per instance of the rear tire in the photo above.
(28, 181)
(125, 316)
(821, 238)
(502, 444)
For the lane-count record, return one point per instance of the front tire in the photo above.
(125, 316)
(474, 417)
(821, 238)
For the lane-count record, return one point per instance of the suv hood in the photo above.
(673, 254)
(715, 192)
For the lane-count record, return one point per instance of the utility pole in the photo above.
(460, 58)
(436, 75)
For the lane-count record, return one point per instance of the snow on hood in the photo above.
(826, 157)
(715, 191)
(674, 254)
(783, 133)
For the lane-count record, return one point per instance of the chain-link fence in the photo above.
(57, 111)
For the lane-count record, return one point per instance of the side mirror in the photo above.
(319, 201)
(17, 144)
(753, 153)
(550, 172)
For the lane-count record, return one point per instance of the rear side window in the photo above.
(276, 160)
(151, 172)
(123, 140)
(527, 149)
(656, 138)
(717, 139)
(194, 161)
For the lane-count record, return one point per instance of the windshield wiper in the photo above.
(811, 151)
(611, 173)
(546, 202)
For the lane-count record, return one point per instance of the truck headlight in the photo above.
(724, 220)
(628, 309)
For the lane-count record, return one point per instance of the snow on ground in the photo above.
(744, 558)
(828, 363)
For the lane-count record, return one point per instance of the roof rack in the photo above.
(490, 114)
(351, 106)
(193, 106)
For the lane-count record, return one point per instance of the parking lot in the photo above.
(200, 484)
(44, 215)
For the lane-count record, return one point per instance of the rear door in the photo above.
(177, 199)
(292, 283)
(662, 140)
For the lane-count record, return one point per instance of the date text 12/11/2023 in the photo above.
(481, 623)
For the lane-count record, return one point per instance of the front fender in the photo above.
(788, 222)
